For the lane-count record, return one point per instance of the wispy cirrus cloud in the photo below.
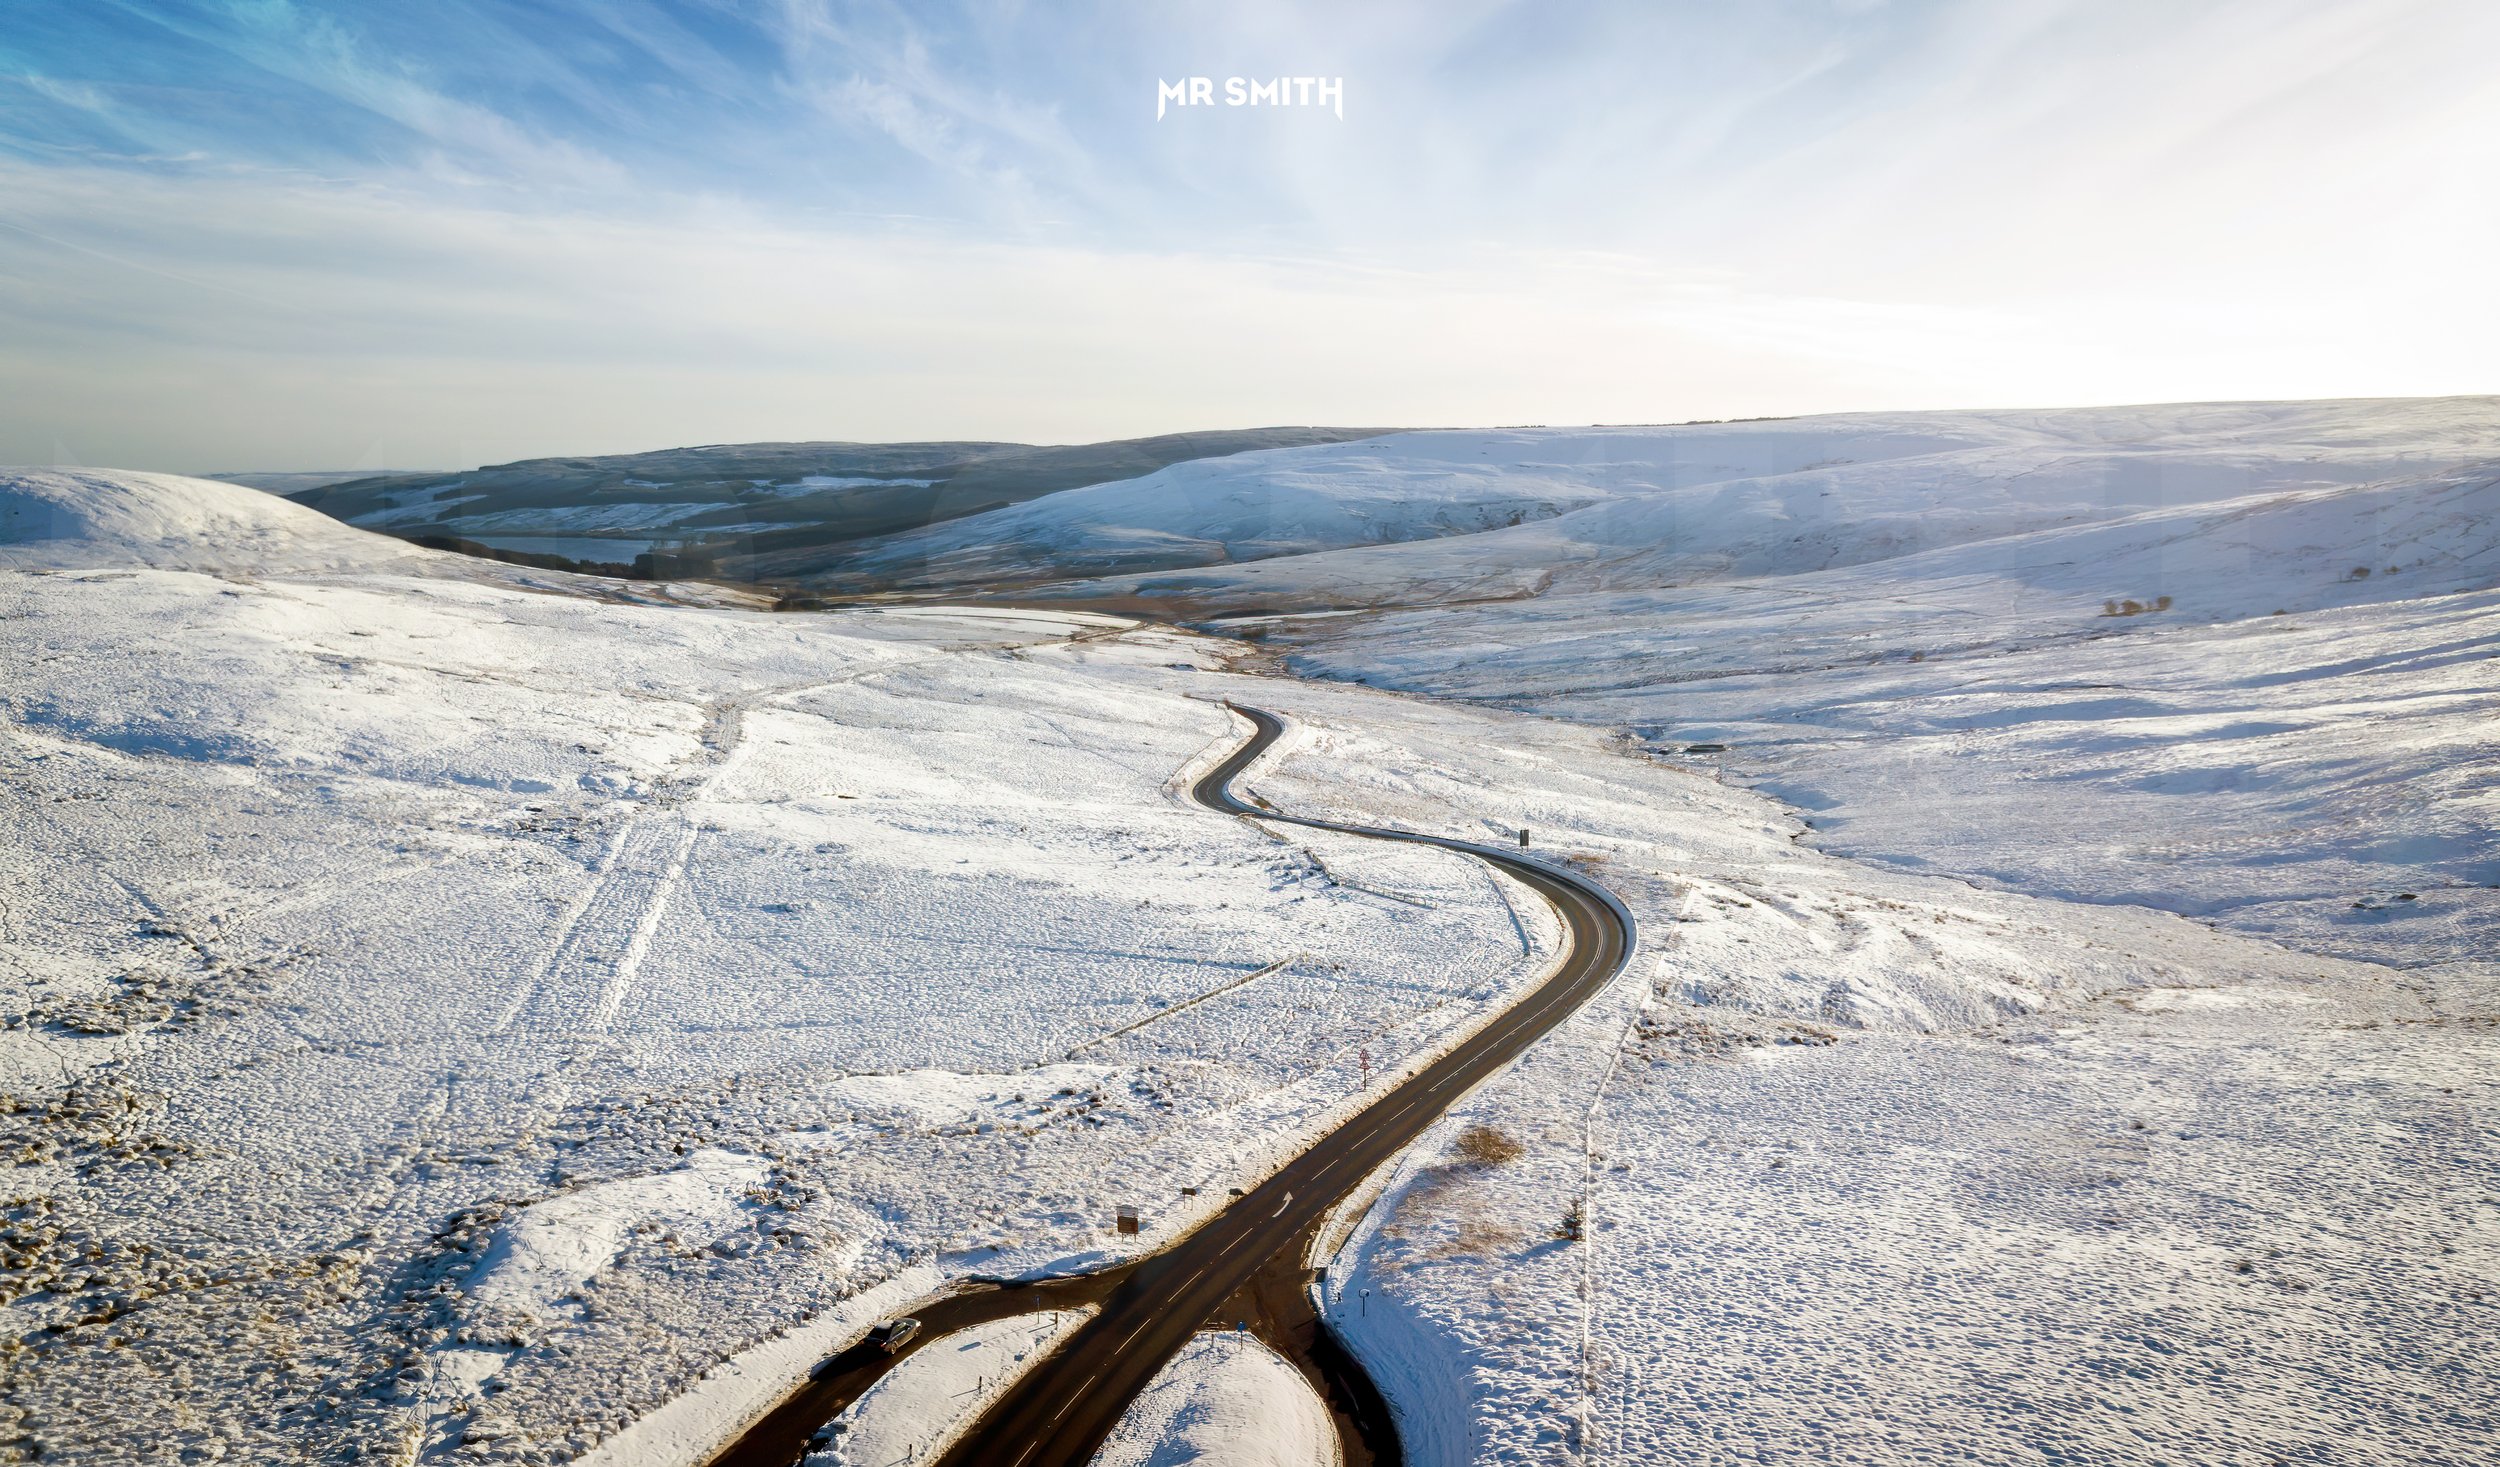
(875, 218)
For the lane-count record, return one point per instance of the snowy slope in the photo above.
(87, 517)
(1493, 513)
(2300, 736)
(2137, 1186)
(1404, 487)
(449, 1020)
(752, 511)
(448, 1014)
(2226, 659)
(2238, 1225)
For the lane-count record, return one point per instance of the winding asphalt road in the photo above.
(1063, 1409)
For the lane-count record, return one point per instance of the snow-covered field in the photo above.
(2326, 777)
(454, 1013)
(2244, 1224)
(2237, 661)
(451, 1014)
(2234, 660)
(1872, 1165)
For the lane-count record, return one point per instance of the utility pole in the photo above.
(1523, 837)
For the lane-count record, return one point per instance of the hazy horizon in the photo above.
(306, 237)
(2022, 407)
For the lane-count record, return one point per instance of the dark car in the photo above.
(894, 1334)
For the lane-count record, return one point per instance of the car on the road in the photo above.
(894, 1334)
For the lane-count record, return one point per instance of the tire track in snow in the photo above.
(648, 857)
(621, 978)
(567, 932)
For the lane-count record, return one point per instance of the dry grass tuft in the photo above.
(1486, 1146)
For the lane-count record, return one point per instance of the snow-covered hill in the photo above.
(449, 1013)
(2229, 659)
(1429, 518)
(2277, 711)
(87, 517)
(425, 986)
(745, 511)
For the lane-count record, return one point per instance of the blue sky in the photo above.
(257, 234)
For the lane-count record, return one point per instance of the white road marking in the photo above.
(1072, 1395)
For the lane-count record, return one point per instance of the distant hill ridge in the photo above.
(714, 509)
(1442, 517)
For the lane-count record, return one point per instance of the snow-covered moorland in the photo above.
(1447, 517)
(454, 1012)
(2235, 660)
(1859, 1165)
(446, 1012)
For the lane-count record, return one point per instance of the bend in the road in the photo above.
(1060, 1412)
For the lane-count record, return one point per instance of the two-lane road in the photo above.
(1061, 1411)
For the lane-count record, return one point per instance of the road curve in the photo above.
(1061, 1411)
(1059, 1414)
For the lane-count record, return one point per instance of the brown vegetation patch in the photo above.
(1481, 1145)
(1680, 1034)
